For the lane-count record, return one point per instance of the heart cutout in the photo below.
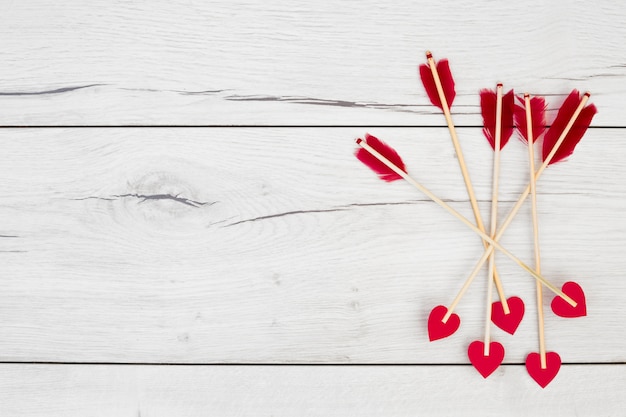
(485, 365)
(563, 309)
(437, 329)
(543, 376)
(508, 322)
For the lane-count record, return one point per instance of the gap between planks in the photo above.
(285, 364)
(218, 126)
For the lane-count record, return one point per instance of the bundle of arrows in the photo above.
(502, 114)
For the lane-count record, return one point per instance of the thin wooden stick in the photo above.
(468, 183)
(492, 243)
(494, 214)
(533, 199)
(516, 208)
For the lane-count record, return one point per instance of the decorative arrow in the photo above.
(532, 117)
(439, 85)
(497, 111)
(494, 117)
(560, 153)
(375, 149)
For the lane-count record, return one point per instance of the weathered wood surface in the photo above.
(161, 391)
(277, 245)
(283, 62)
(274, 245)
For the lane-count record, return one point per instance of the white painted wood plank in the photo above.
(284, 62)
(130, 391)
(276, 245)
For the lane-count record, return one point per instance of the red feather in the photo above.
(383, 171)
(447, 83)
(488, 109)
(537, 113)
(558, 126)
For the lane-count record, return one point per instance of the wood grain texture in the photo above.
(275, 245)
(281, 62)
(159, 391)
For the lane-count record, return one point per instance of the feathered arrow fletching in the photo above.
(537, 114)
(447, 83)
(488, 109)
(383, 171)
(560, 122)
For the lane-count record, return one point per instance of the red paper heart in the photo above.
(543, 376)
(508, 322)
(563, 309)
(485, 364)
(437, 329)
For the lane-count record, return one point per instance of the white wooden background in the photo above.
(184, 230)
